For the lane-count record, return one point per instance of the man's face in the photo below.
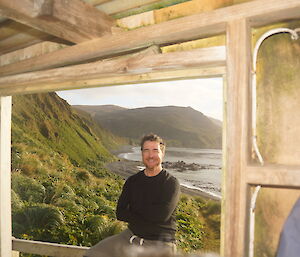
(152, 154)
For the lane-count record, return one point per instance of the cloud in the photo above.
(204, 95)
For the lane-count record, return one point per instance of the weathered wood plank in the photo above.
(96, 2)
(189, 8)
(132, 69)
(273, 175)
(237, 133)
(5, 176)
(116, 6)
(182, 29)
(120, 79)
(135, 21)
(48, 249)
(75, 21)
(29, 52)
(9, 28)
(28, 38)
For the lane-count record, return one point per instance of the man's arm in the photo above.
(124, 212)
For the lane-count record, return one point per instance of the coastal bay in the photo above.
(126, 168)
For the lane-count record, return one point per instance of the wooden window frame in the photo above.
(240, 173)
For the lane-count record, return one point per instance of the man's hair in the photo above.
(154, 138)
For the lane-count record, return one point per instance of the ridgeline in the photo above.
(179, 126)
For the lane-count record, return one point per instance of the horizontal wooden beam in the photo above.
(260, 12)
(273, 175)
(28, 38)
(96, 2)
(48, 249)
(75, 21)
(138, 68)
(28, 52)
(119, 79)
(117, 6)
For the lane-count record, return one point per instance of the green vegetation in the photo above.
(198, 224)
(61, 191)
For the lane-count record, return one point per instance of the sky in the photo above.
(204, 95)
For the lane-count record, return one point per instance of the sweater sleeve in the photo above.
(124, 212)
(161, 210)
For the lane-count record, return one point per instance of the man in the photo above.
(147, 202)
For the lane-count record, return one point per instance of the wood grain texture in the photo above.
(5, 176)
(273, 175)
(29, 52)
(237, 134)
(75, 21)
(116, 6)
(259, 12)
(145, 66)
(49, 249)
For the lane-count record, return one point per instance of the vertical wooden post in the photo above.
(5, 177)
(238, 129)
(224, 158)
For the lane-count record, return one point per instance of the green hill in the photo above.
(180, 126)
(48, 121)
(60, 188)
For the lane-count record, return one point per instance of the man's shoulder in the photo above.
(135, 176)
(170, 177)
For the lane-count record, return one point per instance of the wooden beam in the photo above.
(9, 28)
(145, 66)
(259, 12)
(96, 2)
(29, 52)
(21, 40)
(75, 21)
(273, 175)
(237, 133)
(5, 176)
(2, 19)
(117, 6)
(91, 2)
(122, 79)
(48, 249)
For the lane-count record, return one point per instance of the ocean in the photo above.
(207, 175)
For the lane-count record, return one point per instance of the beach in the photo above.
(126, 168)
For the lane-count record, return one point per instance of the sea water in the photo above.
(206, 179)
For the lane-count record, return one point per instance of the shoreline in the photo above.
(126, 168)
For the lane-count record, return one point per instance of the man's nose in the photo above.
(152, 153)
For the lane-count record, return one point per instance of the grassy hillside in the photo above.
(61, 191)
(180, 126)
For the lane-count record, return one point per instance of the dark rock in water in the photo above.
(181, 166)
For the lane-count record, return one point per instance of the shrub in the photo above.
(28, 189)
